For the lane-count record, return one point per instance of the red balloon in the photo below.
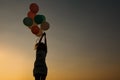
(34, 7)
(40, 33)
(35, 29)
(31, 15)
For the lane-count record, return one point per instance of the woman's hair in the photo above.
(36, 45)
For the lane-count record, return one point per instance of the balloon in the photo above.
(40, 33)
(28, 21)
(35, 29)
(31, 15)
(45, 26)
(39, 19)
(34, 7)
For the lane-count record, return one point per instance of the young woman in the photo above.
(40, 67)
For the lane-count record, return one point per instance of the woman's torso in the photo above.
(40, 62)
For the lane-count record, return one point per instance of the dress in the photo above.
(40, 66)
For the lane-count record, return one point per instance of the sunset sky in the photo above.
(83, 39)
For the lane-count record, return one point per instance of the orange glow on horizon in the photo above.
(16, 66)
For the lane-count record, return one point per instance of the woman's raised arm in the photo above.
(41, 38)
(45, 41)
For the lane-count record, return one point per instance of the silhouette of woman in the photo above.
(40, 67)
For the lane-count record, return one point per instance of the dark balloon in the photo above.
(28, 21)
(39, 19)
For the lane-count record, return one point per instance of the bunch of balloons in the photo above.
(36, 22)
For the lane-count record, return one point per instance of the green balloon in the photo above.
(28, 21)
(39, 19)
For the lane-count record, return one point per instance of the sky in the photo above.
(83, 39)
